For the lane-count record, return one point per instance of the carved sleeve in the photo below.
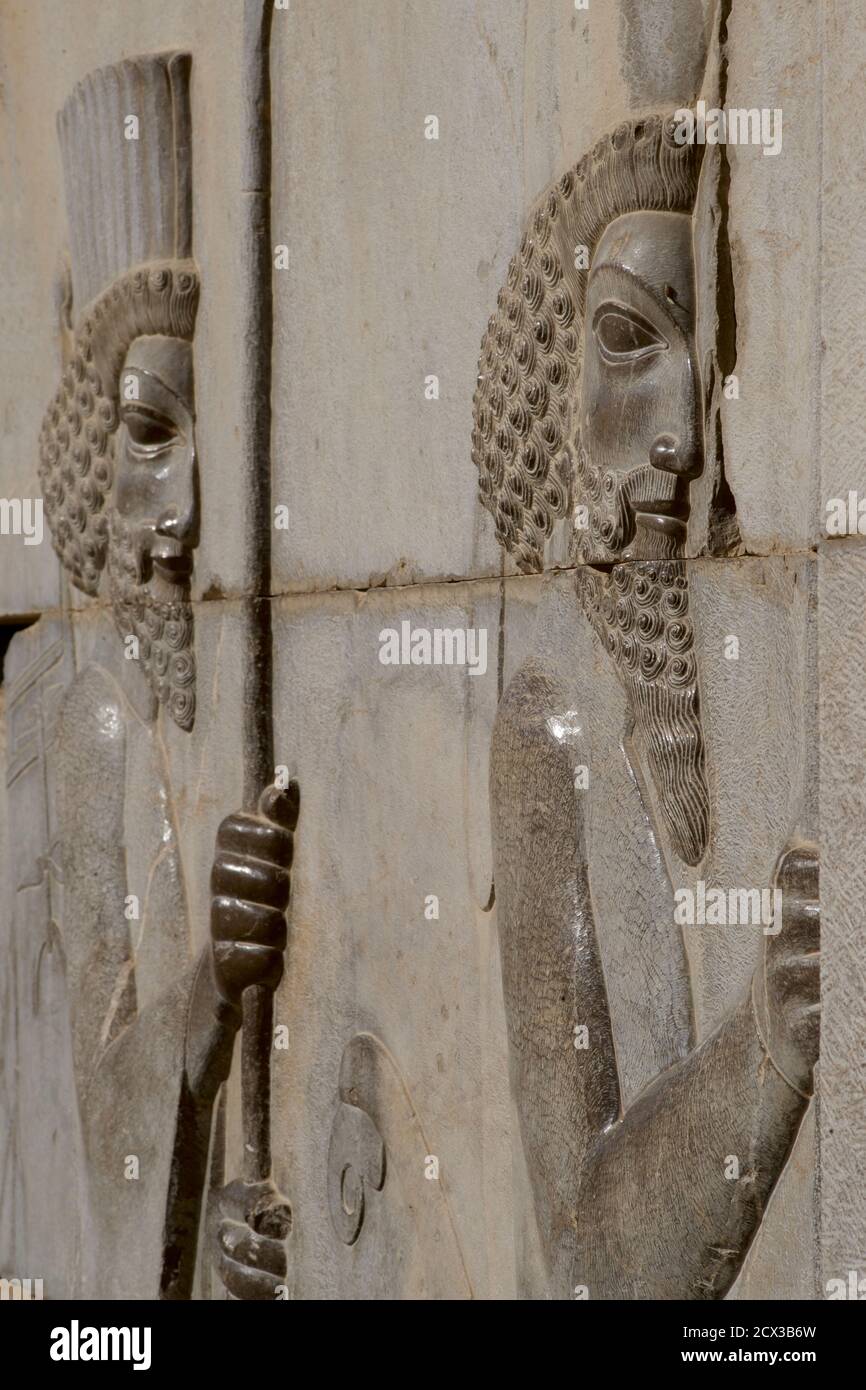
(146, 1079)
(552, 975)
(660, 1202)
(674, 1193)
(91, 788)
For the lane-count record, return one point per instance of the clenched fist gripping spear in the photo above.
(249, 1220)
(251, 872)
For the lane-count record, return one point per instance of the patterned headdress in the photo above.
(129, 203)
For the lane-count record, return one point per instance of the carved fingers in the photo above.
(252, 1267)
(250, 883)
(249, 1226)
(789, 1007)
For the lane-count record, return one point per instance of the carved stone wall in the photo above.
(499, 1065)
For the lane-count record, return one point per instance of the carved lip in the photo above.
(675, 508)
(176, 568)
(666, 511)
(669, 519)
(657, 492)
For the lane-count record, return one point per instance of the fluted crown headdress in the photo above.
(129, 203)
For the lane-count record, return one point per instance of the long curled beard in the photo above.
(640, 612)
(163, 626)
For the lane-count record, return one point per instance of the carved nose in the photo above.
(664, 453)
(667, 454)
(178, 527)
(180, 524)
(180, 520)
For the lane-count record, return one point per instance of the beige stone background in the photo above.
(397, 248)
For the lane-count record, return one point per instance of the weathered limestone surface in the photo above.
(397, 245)
(397, 1128)
(843, 1068)
(47, 49)
(395, 759)
(840, 590)
(776, 213)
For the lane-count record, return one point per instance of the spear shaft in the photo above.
(258, 720)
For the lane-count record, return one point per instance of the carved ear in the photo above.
(63, 306)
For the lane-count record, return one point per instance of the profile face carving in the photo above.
(156, 488)
(117, 453)
(588, 409)
(154, 517)
(120, 476)
(639, 441)
(550, 359)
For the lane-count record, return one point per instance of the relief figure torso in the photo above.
(589, 413)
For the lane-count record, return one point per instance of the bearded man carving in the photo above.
(589, 415)
(153, 1020)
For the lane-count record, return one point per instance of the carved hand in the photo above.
(247, 1230)
(250, 883)
(787, 983)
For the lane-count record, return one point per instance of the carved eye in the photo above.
(148, 433)
(624, 335)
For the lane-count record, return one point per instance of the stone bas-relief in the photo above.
(152, 1029)
(378, 1137)
(589, 415)
(658, 1135)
